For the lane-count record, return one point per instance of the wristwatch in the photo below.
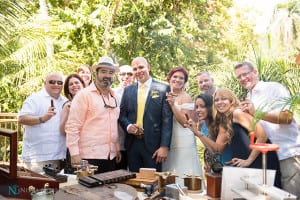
(41, 120)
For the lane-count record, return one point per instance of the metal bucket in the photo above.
(193, 183)
(43, 194)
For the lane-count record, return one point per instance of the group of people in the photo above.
(147, 123)
(226, 122)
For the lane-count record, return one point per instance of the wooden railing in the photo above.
(8, 121)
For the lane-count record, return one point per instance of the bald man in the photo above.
(43, 143)
(149, 130)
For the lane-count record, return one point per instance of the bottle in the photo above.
(84, 165)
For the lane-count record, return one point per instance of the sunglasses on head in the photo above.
(53, 82)
(126, 73)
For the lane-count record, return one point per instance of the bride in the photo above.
(183, 157)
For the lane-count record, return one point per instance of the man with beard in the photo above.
(92, 126)
(206, 83)
(147, 118)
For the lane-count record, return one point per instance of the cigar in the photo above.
(244, 98)
(173, 94)
(52, 103)
(228, 163)
(186, 116)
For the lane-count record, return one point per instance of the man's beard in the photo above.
(105, 82)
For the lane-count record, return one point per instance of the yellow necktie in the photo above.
(141, 104)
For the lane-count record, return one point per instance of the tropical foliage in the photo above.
(167, 33)
(285, 27)
(43, 36)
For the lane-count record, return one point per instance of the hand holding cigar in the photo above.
(52, 104)
(186, 116)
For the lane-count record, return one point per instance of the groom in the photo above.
(147, 118)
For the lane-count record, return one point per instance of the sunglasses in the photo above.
(126, 73)
(109, 106)
(53, 82)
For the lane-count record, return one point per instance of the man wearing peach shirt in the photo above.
(92, 126)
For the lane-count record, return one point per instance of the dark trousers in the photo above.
(103, 165)
(139, 157)
(123, 164)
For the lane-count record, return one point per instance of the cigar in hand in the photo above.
(244, 98)
(186, 116)
(52, 104)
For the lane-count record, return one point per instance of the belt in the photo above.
(141, 136)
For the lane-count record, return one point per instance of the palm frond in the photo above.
(10, 14)
(293, 102)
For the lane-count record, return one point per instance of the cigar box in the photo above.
(214, 182)
(15, 180)
(145, 176)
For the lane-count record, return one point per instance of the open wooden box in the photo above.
(145, 176)
(15, 180)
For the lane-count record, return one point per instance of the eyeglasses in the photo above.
(126, 73)
(239, 77)
(109, 106)
(53, 82)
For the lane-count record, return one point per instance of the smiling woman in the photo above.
(235, 124)
(183, 143)
(85, 73)
(73, 84)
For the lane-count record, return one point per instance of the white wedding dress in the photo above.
(183, 156)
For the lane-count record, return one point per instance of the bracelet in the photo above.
(278, 118)
(41, 120)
